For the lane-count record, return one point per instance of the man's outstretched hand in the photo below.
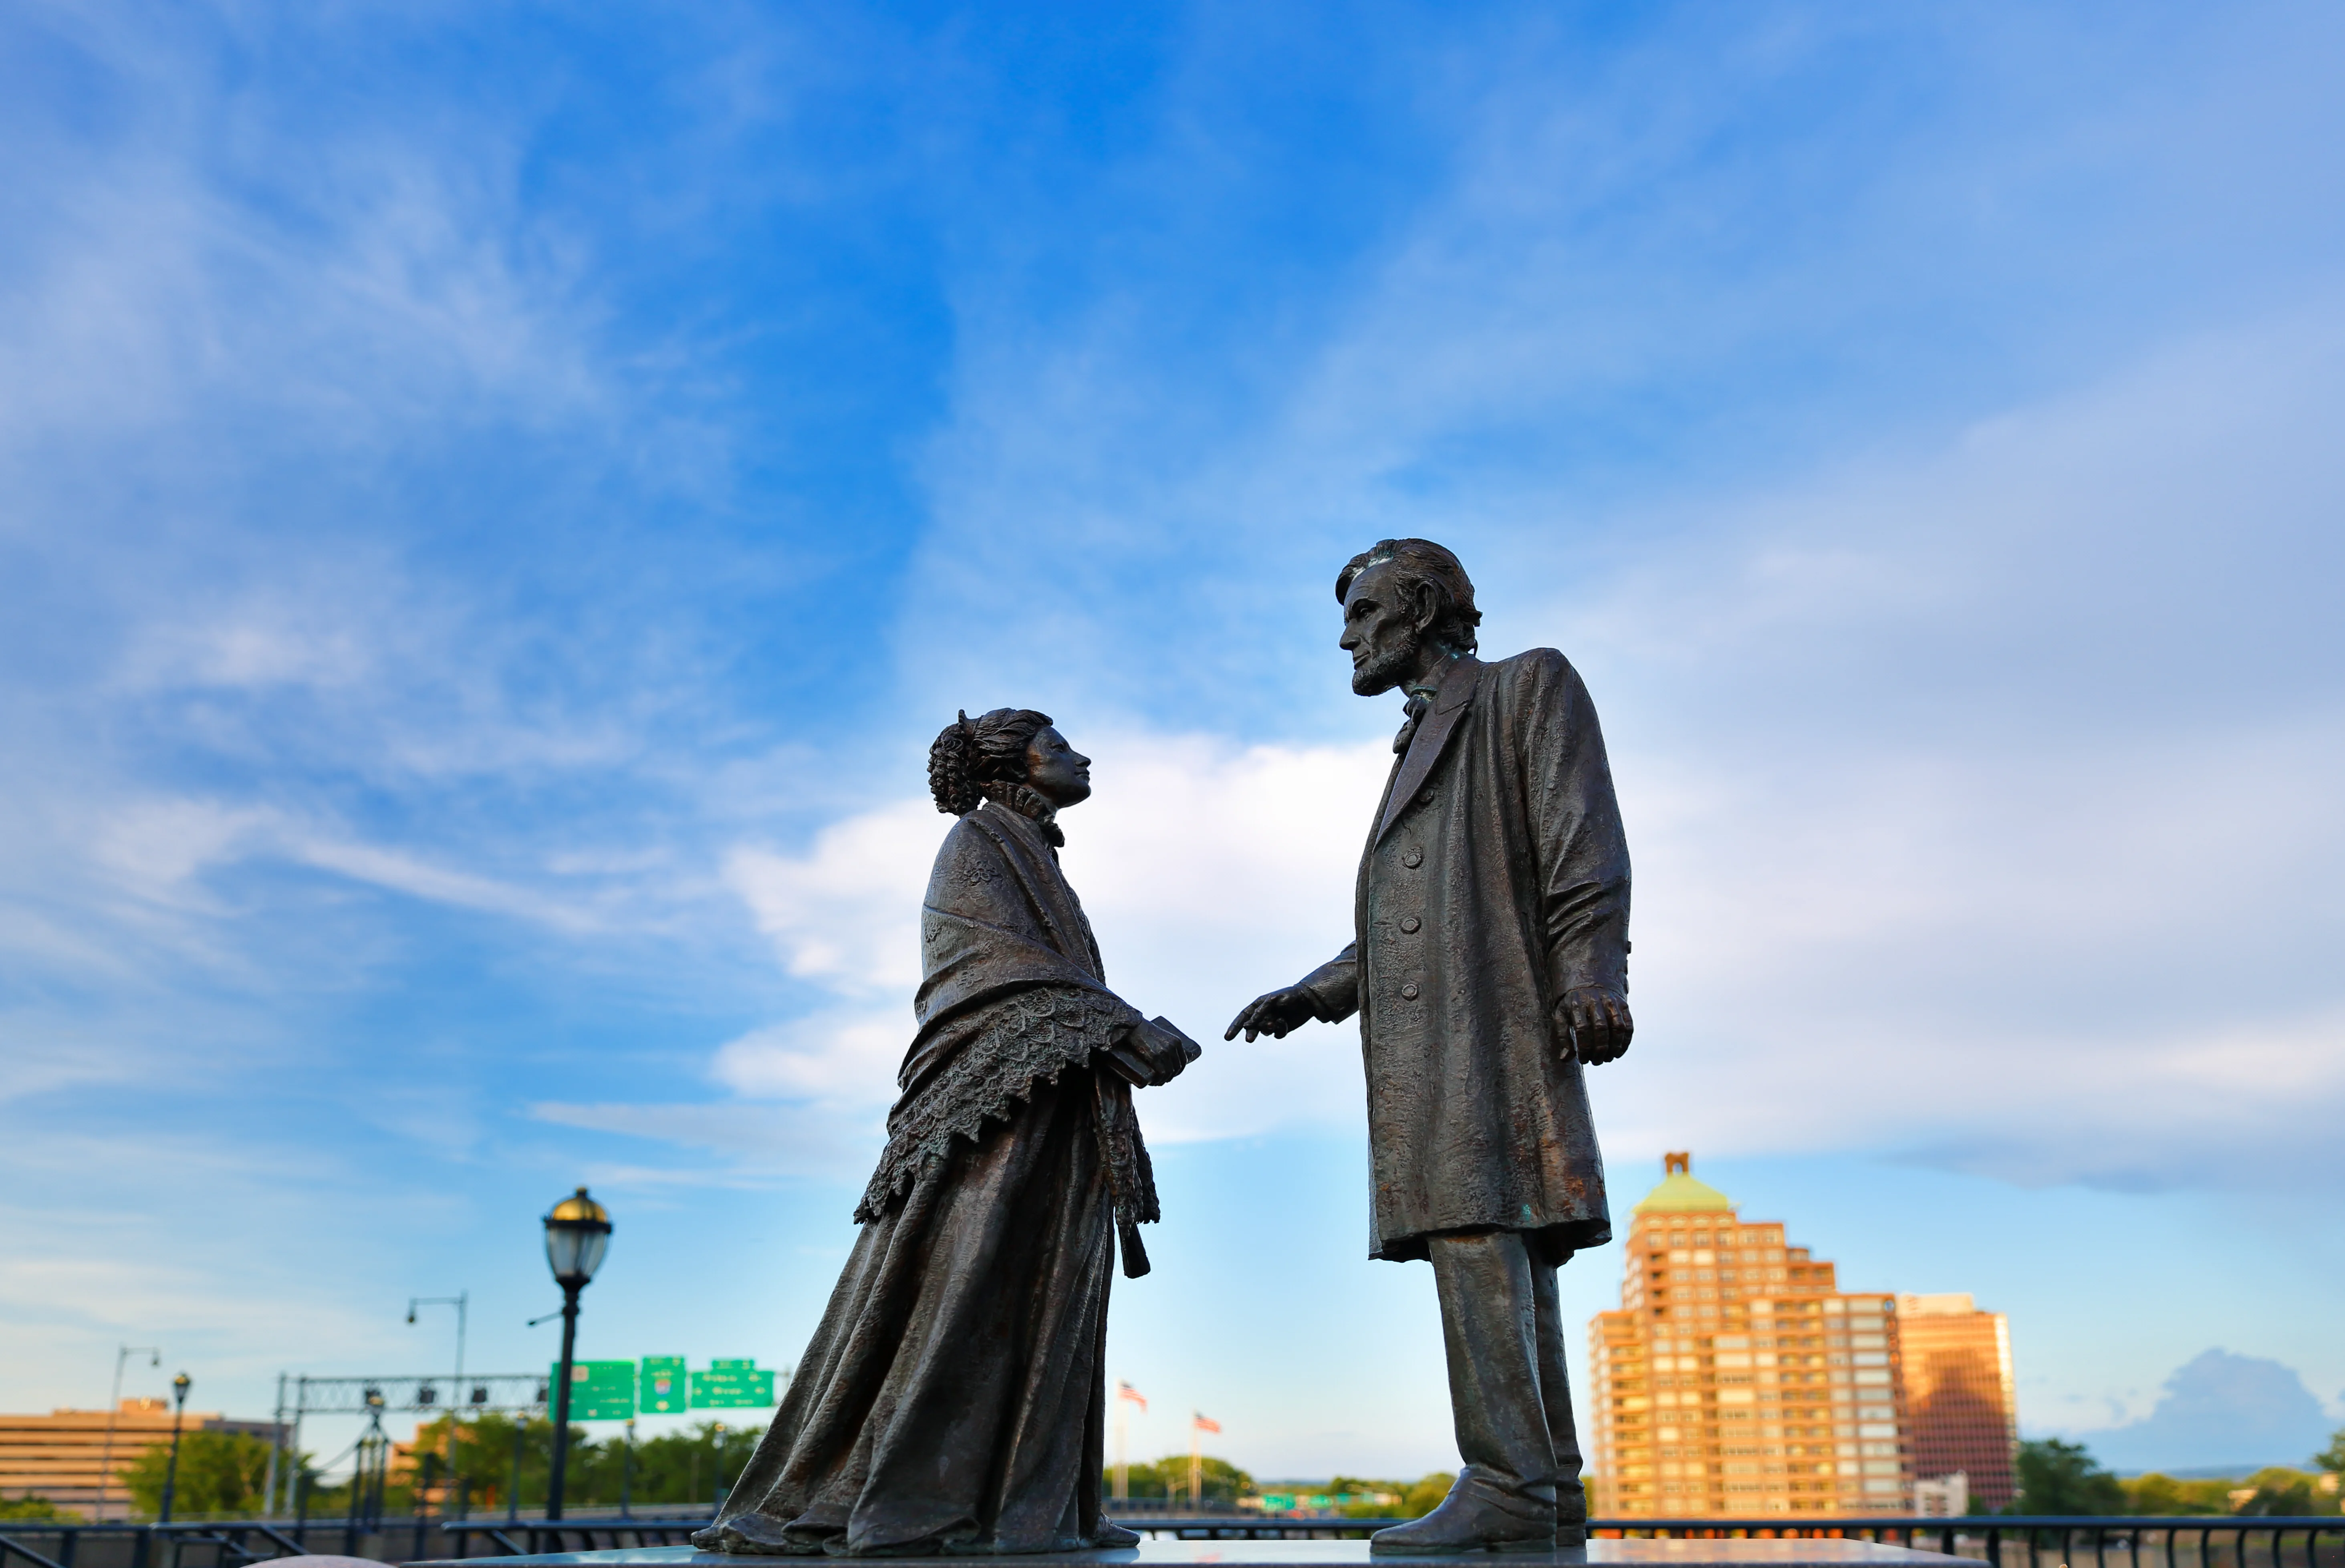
(1594, 1020)
(1275, 1014)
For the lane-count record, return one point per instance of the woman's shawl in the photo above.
(1010, 995)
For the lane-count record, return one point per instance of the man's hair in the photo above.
(1420, 560)
(970, 754)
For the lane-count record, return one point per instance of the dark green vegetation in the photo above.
(30, 1508)
(691, 1467)
(1169, 1477)
(1224, 1483)
(2062, 1478)
(220, 1476)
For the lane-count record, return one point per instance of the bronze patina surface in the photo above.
(1488, 969)
(952, 1399)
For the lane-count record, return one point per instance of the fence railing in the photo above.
(2010, 1540)
(2214, 1541)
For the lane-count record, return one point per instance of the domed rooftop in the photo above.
(1679, 1193)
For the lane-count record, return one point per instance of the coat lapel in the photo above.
(1433, 733)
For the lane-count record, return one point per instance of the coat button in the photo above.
(1413, 859)
(1408, 992)
(1410, 924)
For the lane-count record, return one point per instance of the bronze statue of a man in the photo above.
(1489, 965)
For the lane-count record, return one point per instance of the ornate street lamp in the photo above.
(179, 1386)
(577, 1234)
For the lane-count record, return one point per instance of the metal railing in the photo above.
(2019, 1540)
(2226, 1541)
(198, 1543)
(2212, 1541)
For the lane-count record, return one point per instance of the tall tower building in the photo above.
(1961, 1417)
(1737, 1380)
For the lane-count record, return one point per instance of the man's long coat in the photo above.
(1496, 878)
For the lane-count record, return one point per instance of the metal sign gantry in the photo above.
(428, 1393)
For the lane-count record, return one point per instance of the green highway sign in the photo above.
(663, 1391)
(599, 1391)
(731, 1385)
(618, 1390)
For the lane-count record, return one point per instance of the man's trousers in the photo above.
(1507, 1390)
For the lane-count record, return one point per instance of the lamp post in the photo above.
(461, 1300)
(106, 1455)
(577, 1234)
(171, 1467)
(627, 1474)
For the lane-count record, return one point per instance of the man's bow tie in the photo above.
(1413, 712)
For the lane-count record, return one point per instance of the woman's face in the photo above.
(1055, 770)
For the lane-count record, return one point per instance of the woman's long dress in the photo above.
(952, 1397)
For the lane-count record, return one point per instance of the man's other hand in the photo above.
(1594, 1021)
(1275, 1014)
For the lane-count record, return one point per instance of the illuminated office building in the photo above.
(1737, 1381)
(1961, 1417)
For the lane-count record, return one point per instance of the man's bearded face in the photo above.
(1380, 629)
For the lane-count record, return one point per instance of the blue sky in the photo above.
(494, 502)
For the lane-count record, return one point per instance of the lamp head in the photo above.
(577, 1234)
(179, 1386)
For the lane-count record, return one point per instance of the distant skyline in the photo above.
(495, 503)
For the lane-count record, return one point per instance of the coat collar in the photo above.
(1433, 732)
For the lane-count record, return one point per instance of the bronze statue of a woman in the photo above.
(953, 1397)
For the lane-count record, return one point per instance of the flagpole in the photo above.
(1122, 1469)
(1196, 1460)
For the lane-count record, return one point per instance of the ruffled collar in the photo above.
(1026, 802)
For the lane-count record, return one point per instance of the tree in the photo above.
(2333, 1457)
(2062, 1478)
(689, 1467)
(1426, 1494)
(683, 1467)
(220, 1476)
(2162, 1496)
(29, 1508)
(2281, 1492)
(1168, 1478)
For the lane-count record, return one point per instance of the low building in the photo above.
(1737, 1380)
(76, 1458)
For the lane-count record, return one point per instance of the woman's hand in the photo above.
(1146, 1055)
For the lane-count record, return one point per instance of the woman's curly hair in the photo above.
(969, 754)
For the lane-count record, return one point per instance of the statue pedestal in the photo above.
(1171, 1552)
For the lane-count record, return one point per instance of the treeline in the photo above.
(494, 1457)
(2064, 1479)
(224, 1475)
(1169, 1477)
(1225, 1484)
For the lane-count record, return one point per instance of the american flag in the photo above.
(1125, 1390)
(1202, 1422)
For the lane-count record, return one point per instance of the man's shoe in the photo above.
(1465, 1522)
(1111, 1535)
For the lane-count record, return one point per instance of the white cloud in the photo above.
(1211, 873)
(848, 912)
(844, 1057)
